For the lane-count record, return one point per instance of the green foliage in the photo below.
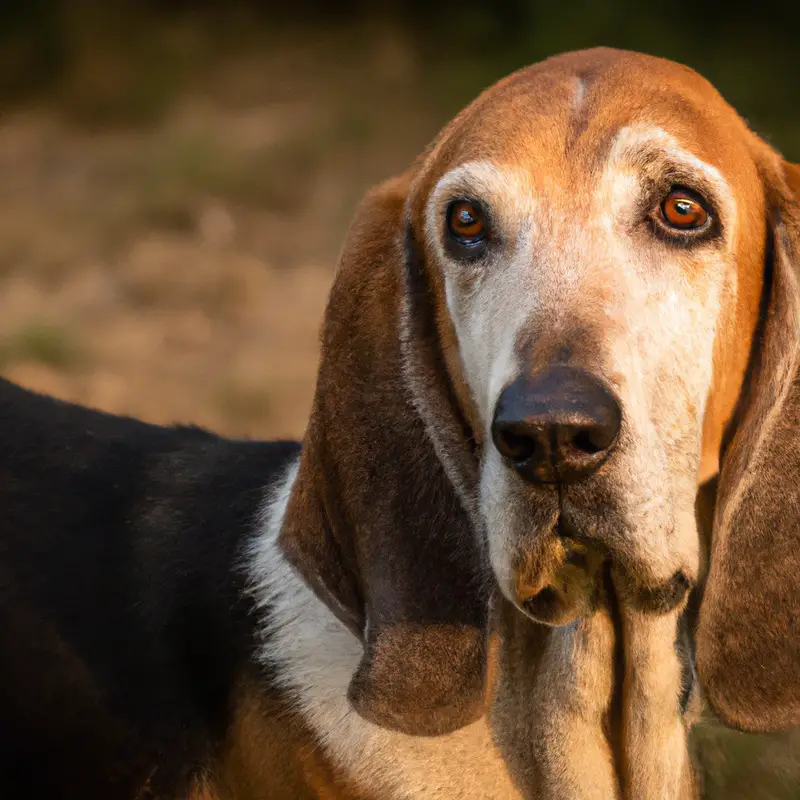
(41, 343)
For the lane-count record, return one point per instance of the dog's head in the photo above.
(598, 224)
(616, 253)
(578, 306)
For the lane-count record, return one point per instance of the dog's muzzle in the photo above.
(555, 428)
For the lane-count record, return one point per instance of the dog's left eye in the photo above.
(684, 211)
(466, 222)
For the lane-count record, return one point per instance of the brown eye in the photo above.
(466, 222)
(683, 211)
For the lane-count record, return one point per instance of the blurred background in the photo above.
(176, 178)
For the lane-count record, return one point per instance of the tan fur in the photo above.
(573, 697)
(271, 752)
(672, 334)
(553, 698)
(656, 761)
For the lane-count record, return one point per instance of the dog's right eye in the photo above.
(684, 211)
(683, 217)
(466, 223)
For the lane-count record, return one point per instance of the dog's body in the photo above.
(576, 315)
(155, 644)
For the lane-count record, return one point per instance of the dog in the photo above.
(566, 334)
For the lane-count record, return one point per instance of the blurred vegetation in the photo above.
(122, 61)
(740, 766)
(42, 343)
(144, 259)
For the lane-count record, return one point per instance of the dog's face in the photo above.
(593, 258)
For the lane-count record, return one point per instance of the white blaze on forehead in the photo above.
(491, 300)
(580, 93)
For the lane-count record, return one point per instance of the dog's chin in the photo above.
(561, 583)
(558, 577)
(649, 574)
(569, 598)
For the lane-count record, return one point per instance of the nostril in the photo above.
(594, 439)
(514, 446)
(586, 442)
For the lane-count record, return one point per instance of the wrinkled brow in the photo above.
(659, 157)
(480, 179)
(502, 187)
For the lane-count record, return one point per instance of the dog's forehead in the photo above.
(565, 115)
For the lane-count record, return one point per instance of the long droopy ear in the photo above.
(748, 638)
(374, 522)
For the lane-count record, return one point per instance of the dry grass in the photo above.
(179, 271)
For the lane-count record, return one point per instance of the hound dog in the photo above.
(556, 345)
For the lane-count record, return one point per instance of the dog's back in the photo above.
(123, 615)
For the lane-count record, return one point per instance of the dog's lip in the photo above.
(658, 599)
(646, 596)
(567, 529)
(585, 552)
(551, 605)
(548, 607)
(570, 592)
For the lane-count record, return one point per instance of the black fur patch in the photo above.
(123, 616)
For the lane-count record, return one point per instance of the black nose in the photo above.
(556, 426)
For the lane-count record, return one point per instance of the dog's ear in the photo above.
(748, 638)
(374, 522)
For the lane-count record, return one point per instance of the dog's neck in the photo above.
(313, 656)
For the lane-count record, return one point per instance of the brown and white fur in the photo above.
(570, 159)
